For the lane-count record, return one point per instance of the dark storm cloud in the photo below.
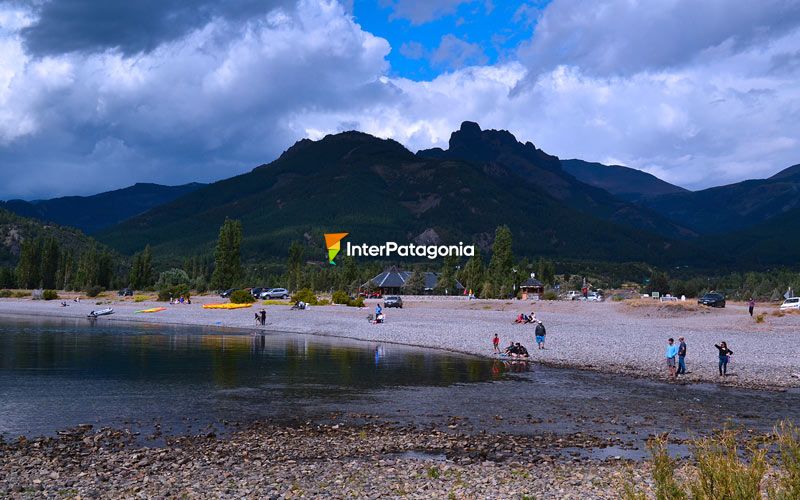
(131, 26)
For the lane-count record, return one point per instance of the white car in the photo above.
(594, 297)
(793, 303)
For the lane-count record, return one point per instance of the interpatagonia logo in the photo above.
(334, 243)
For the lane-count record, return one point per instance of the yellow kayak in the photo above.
(225, 306)
(152, 310)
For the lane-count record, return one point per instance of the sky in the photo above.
(101, 94)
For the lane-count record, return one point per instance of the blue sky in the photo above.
(101, 94)
(494, 28)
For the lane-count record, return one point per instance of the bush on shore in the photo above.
(93, 291)
(550, 295)
(242, 297)
(50, 295)
(173, 292)
(721, 469)
(4, 294)
(307, 296)
(340, 297)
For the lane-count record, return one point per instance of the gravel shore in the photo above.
(608, 336)
(373, 460)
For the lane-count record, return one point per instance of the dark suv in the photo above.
(712, 299)
(393, 301)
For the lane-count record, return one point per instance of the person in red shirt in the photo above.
(496, 343)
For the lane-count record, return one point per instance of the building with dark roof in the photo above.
(531, 286)
(392, 282)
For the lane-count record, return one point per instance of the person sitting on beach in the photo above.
(510, 350)
(520, 318)
(521, 351)
(532, 318)
(63, 303)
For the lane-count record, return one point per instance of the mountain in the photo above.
(775, 242)
(92, 213)
(499, 153)
(732, 207)
(379, 191)
(625, 183)
(15, 229)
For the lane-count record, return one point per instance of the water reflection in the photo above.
(57, 374)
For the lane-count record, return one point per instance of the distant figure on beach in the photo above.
(724, 357)
(681, 357)
(540, 332)
(751, 304)
(671, 352)
(263, 314)
(378, 309)
(496, 343)
(257, 318)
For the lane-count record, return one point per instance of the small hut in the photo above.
(531, 288)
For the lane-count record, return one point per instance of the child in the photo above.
(496, 343)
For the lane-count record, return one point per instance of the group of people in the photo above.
(515, 349)
(180, 300)
(676, 357)
(524, 318)
(379, 316)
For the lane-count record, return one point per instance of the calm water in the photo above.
(58, 374)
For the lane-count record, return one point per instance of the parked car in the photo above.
(276, 293)
(227, 293)
(792, 303)
(393, 301)
(573, 295)
(712, 299)
(594, 297)
(125, 292)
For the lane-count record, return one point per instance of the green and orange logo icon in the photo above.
(334, 243)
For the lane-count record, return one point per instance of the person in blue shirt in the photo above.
(378, 309)
(670, 354)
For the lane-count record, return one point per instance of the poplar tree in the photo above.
(473, 274)
(141, 275)
(48, 270)
(227, 255)
(29, 265)
(502, 262)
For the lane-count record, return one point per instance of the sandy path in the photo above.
(601, 336)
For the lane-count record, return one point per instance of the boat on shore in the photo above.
(226, 306)
(101, 312)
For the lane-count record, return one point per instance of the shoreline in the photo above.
(420, 321)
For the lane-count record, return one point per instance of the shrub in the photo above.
(323, 302)
(305, 295)
(275, 302)
(788, 438)
(357, 302)
(50, 295)
(4, 294)
(171, 278)
(20, 294)
(549, 295)
(723, 473)
(242, 297)
(340, 297)
(140, 298)
(173, 292)
(93, 291)
(760, 317)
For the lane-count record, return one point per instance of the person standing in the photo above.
(681, 357)
(751, 304)
(670, 354)
(540, 333)
(724, 357)
(496, 343)
(263, 314)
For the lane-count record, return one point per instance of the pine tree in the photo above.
(294, 266)
(500, 272)
(29, 265)
(227, 255)
(446, 283)
(48, 270)
(8, 278)
(473, 274)
(415, 284)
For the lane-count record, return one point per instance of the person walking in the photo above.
(751, 304)
(496, 343)
(670, 354)
(724, 357)
(263, 315)
(681, 357)
(540, 333)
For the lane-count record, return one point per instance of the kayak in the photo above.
(225, 306)
(101, 312)
(152, 310)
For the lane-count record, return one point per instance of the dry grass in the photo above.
(672, 308)
(778, 313)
